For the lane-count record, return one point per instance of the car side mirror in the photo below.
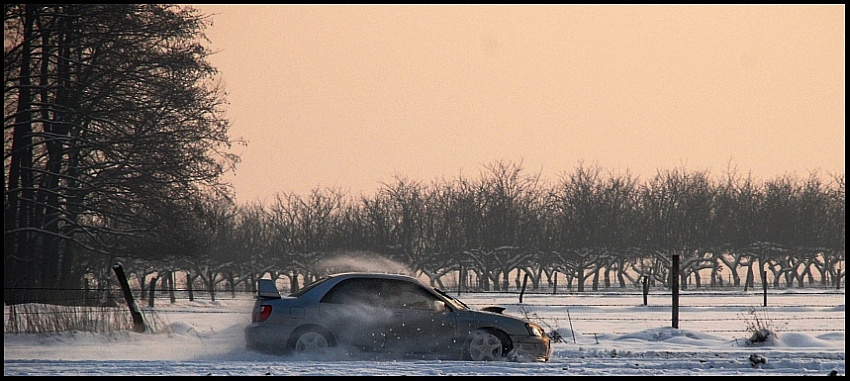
(440, 306)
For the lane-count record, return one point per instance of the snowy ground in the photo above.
(604, 334)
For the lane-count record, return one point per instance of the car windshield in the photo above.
(455, 302)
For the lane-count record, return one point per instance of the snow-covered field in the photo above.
(603, 334)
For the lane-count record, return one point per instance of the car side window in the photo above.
(354, 291)
(384, 293)
(401, 294)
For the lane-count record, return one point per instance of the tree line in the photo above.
(115, 144)
(595, 228)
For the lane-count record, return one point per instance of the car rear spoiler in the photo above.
(266, 289)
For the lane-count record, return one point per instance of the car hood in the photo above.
(495, 309)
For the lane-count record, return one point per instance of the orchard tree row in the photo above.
(595, 228)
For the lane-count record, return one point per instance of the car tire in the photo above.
(485, 345)
(310, 341)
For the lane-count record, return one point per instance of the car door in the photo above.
(420, 322)
(351, 310)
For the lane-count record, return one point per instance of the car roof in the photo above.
(364, 274)
(377, 275)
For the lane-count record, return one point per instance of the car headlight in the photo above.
(534, 330)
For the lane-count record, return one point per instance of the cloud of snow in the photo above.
(365, 261)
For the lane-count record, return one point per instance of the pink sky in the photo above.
(349, 96)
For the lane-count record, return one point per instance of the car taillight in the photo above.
(261, 313)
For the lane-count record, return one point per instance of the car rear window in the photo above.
(308, 287)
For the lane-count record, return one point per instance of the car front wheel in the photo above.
(483, 345)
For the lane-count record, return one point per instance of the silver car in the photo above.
(387, 314)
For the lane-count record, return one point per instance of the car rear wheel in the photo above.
(310, 342)
(482, 345)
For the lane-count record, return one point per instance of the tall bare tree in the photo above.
(112, 122)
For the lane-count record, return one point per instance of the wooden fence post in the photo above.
(212, 285)
(152, 291)
(460, 279)
(524, 282)
(87, 297)
(138, 322)
(555, 285)
(764, 285)
(171, 287)
(838, 279)
(189, 286)
(675, 284)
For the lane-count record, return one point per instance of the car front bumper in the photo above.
(531, 349)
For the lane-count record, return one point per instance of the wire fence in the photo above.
(709, 311)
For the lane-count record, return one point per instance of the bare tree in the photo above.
(112, 122)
